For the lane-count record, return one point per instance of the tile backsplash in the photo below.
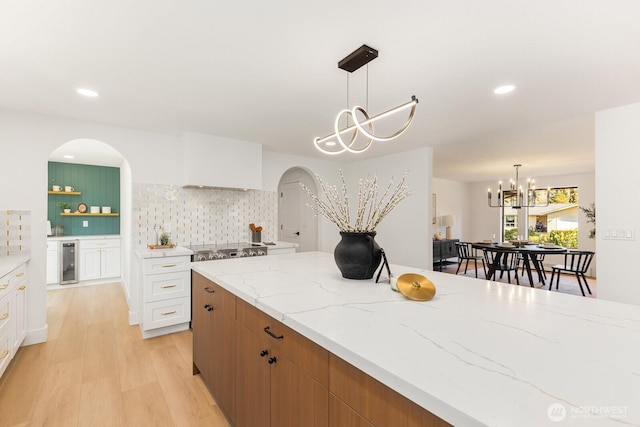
(195, 216)
(15, 229)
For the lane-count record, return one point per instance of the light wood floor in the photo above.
(96, 370)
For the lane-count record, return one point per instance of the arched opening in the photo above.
(97, 180)
(297, 223)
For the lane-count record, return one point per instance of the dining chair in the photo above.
(539, 259)
(467, 253)
(501, 261)
(576, 262)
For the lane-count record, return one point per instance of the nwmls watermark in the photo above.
(557, 412)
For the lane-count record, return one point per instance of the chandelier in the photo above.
(517, 197)
(362, 122)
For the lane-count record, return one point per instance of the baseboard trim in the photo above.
(36, 336)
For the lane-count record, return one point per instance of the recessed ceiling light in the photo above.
(87, 92)
(501, 90)
(68, 156)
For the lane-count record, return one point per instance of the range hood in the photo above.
(214, 162)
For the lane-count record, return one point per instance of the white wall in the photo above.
(617, 153)
(452, 199)
(405, 234)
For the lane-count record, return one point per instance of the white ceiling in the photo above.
(267, 72)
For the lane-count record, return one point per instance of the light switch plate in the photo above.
(85, 223)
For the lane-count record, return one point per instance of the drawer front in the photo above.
(304, 353)
(159, 287)
(99, 244)
(166, 264)
(166, 313)
(52, 246)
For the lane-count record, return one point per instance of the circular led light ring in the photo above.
(381, 138)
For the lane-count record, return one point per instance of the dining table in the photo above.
(529, 254)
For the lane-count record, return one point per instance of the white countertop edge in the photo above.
(84, 237)
(11, 262)
(146, 253)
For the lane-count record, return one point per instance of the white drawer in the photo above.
(6, 345)
(166, 264)
(52, 246)
(165, 286)
(99, 243)
(166, 313)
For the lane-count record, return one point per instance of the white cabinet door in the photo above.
(110, 262)
(53, 272)
(89, 264)
(20, 310)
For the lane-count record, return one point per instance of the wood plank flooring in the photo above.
(96, 370)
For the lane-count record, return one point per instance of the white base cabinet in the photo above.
(99, 259)
(166, 295)
(13, 314)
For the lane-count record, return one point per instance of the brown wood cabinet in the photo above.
(261, 372)
(374, 401)
(282, 377)
(214, 341)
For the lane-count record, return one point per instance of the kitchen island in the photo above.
(479, 353)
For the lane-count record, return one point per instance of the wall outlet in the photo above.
(85, 223)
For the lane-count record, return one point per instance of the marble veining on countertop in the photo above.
(479, 353)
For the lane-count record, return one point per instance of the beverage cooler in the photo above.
(68, 262)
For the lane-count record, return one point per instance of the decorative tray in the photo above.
(169, 246)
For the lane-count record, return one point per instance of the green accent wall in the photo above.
(99, 185)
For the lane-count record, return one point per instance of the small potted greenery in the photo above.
(66, 207)
(164, 239)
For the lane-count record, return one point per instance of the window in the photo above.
(556, 223)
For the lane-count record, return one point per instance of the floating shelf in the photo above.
(66, 193)
(88, 214)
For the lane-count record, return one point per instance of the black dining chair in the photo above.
(466, 253)
(502, 261)
(576, 262)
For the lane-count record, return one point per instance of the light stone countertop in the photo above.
(11, 262)
(84, 237)
(145, 253)
(479, 353)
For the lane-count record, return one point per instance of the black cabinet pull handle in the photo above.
(208, 307)
(209, 290)
(263, 353)
(272, 360)
(271, 334)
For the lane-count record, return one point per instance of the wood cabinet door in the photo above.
(296, 398)
(201, 323)
(252, 379)
(222, 359)
(341, 414)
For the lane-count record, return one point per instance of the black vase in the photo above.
(357, 255)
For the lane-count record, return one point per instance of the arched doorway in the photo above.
(89, 154)
(297, 222)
